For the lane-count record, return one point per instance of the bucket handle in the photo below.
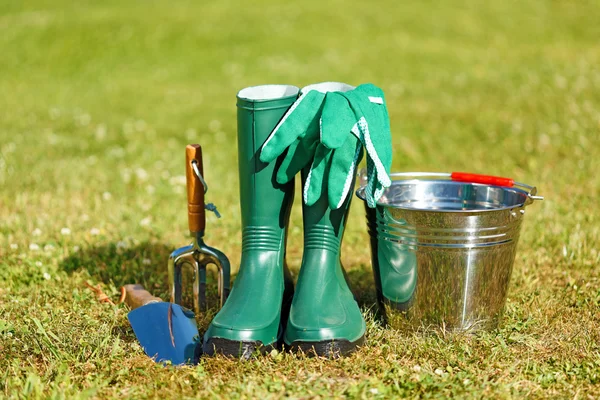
(473, 178)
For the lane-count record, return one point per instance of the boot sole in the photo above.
(246, 349)
(335, 348)
(236, 349)
(400, 306)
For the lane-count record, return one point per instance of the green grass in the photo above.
(99, 99)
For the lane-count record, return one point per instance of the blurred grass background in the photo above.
(99, 99)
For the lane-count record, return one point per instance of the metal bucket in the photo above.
(443, 250)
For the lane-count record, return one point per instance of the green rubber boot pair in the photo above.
(262, 311)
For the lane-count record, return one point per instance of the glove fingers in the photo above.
(284, 173)
(382, 137)
(299, 155)
(371, 183)
(374, 189)
(368, 103)
(337, 120)
(341, 174)
(293, 125)
(313, 186)
(380, 167)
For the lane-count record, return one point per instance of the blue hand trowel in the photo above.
(166, 331)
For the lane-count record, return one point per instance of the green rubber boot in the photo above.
(254, 315)
(324, 319)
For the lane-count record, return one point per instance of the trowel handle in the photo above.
(195, 188)
(136, 296)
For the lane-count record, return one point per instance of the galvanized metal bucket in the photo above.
(443, 249)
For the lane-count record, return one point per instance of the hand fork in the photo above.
(197, 255)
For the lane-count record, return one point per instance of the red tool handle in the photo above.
(484, 179)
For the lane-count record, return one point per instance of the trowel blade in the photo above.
(173, 339)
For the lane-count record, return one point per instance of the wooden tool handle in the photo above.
(195, 188)
(136, 296)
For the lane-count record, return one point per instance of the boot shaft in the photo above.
(323, 227)
(265, 204)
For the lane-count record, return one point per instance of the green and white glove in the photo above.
(300, 131)
(373, 129)
(364, 110)
(337, 154)
(329, 125)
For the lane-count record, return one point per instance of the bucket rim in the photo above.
(529, 200)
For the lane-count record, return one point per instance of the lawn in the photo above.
(99, 98)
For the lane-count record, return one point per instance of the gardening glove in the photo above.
(373, 129)
(337, 154)
(344, 161)
(328, 125)
(298, 131)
